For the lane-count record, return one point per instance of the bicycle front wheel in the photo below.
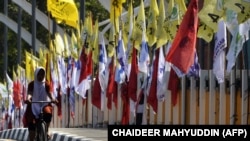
(42, 133)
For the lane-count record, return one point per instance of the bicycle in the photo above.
(41, 126)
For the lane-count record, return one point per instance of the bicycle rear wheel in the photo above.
(42, 133)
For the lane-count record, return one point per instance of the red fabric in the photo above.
(181, 54)
(125, 107)
(96, 95)
(17, 93)
(173, 85)
(59, 104)
(110, 86)
(152, 97)
(9, 123)
(132, 83)
(115, 94)
(24, 93)
(86, 64)
(28, 116)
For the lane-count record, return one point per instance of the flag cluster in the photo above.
(146, 55)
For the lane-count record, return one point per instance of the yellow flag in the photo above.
(115, 12)
(64, 11)
(95, 42)
(20, 72)
(14, 77)
(211, 13)
(112, 42)
(42, 57)
(178, 10)
(234, 5)
(87, 32)
(128, 25)
(152, 23)
(59, 44)
(205, 32)
(139, 27)
(66, 45)
(74, 47)
(241, 7)
(161, 31)
(31, 63)
(244, 14)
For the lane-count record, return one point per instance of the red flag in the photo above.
(96, 95)
(152, 96)
(115, 93)
(111, 82)
(125, 100)
(59, 104)
(181, 54)
(85, 72)
(17, 86)
(173, 86)
(86, 64)
(132, 83)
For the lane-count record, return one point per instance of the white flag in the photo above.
(219, 52)
(239, 38)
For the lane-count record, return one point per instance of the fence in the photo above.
(200, 101)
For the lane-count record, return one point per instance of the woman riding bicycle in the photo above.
(38, 90)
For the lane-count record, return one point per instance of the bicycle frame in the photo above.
(41, 126)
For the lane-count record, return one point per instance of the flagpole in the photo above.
(245, 61)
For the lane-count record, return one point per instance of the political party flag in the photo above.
(211, 13)
(64, 11)
(152, 23)
(115, 12)
(181, 53)
(219, 52)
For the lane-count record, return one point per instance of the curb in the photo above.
(21, 134)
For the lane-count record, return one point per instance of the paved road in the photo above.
(59, 134)
(92, 133)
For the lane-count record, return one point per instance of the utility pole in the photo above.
(19, 47)
(33, 26)
(82, 10)
(5, 37)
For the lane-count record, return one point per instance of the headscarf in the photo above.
(39, 93)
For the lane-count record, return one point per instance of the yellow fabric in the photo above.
(205, 32)
(112, 42)
(139, 27)
(115, 12)
(152, 23)
(161, 31)
(244, 15)
(128, 26)
(65, 11)
(210, 14)
(31, 62)
(95, 42)
(178, 11)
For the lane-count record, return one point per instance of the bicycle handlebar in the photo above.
(27, 102)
